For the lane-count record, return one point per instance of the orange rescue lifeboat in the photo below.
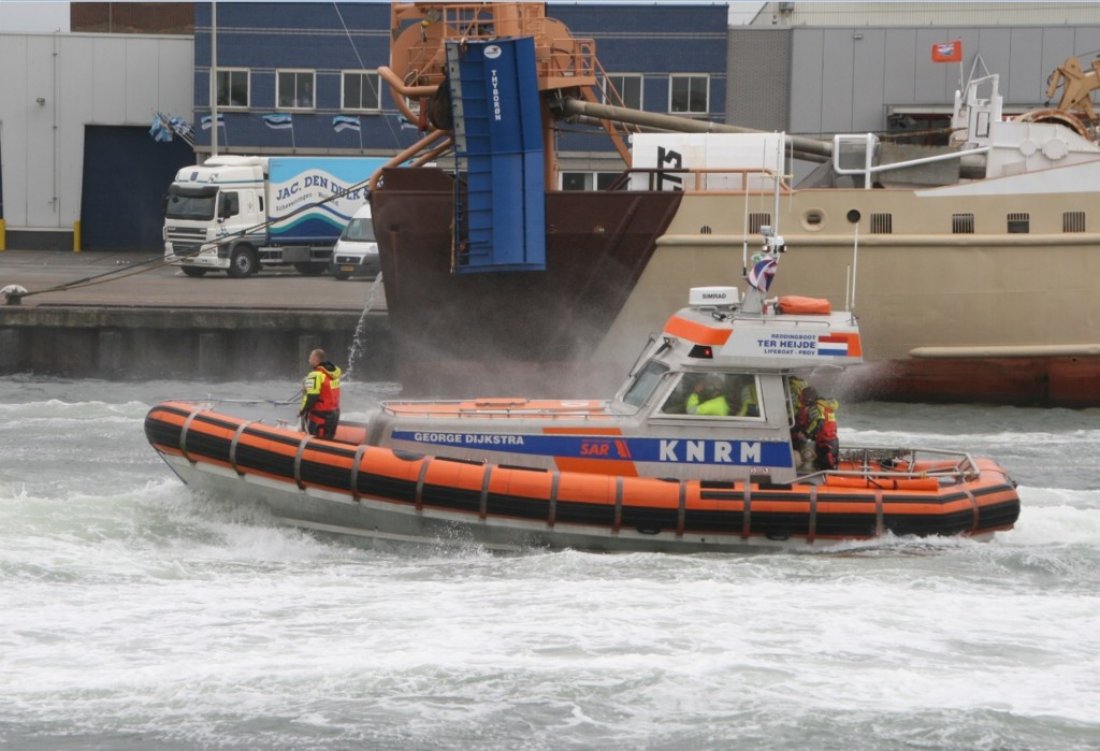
(698, 451)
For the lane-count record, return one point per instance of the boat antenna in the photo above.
(745, 228)
(853, 217)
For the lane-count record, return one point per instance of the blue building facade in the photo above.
(302, 77)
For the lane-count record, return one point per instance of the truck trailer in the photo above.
(240, 213)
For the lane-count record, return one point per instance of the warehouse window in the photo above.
(689, 94)
(360, 90)
(233, 87)
(623, 90)
(294, 89)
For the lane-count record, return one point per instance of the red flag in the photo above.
(948, 52)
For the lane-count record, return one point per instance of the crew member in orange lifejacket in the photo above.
(321, 402)
(820, 427)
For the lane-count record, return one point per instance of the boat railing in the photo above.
(858, 151)
(701, 180)
(495, 409)
(904, 464)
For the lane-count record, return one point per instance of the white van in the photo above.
(356, 252)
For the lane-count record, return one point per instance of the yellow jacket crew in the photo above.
(320, 411)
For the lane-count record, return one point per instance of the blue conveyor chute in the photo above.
(500, 222)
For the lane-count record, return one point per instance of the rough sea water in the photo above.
(134, 615)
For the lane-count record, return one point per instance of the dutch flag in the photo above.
(279, 121)
(832, 345)
(345, 122)
(206, 121)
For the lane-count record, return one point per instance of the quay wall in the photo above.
(136, 343)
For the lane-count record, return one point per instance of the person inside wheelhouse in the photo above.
(714, 395)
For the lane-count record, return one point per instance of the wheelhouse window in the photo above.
(359, 91)
(294, 89)
(644, 384)
(233, 87)
(623, 90)
(710, 395)
(689, 94)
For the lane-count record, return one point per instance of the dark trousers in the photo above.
(323, 424)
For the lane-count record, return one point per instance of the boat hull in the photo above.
(368, 493)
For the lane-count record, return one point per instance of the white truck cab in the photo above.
(240, 213)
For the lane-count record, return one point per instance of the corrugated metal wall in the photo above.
(846, 79)
(944, 13)
(759, 76)
(55, 84)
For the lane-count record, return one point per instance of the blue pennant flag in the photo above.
(345, 122)
(180, 126)
(205, 122)
(157, 130)
(279, 121)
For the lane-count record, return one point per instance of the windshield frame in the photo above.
(358, 223)
(191, 203)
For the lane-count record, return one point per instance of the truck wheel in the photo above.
(310, 269)
(193, 272)
(242, 262)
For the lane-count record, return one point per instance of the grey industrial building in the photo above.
(79, 169)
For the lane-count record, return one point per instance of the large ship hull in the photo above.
(979, 291)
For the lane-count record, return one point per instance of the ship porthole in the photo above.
(813, 220)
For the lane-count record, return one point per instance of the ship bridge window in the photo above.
(882, 224)
(1019, 223)
(644, 383)
(714, 395)
(1073, 221)
(758, 220)
(962, 224)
